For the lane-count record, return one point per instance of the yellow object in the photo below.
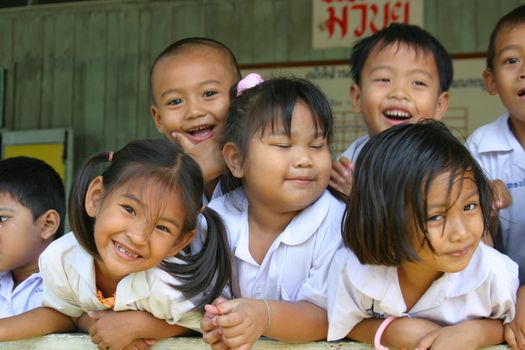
(51, 153)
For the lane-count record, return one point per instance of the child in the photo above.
(282, 223)
(419, 207)
(190, 83)
(32, 208)
(401, 75)
(138, 214)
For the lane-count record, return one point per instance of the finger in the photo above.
(335, 185)
(207, 322)
(183, 141)
(212, 336)
(424, 343)
(219, 300)
(220, 346)
(95, 314)
(228, 320)
(340, 169)
(346, 163)
(510, 338)
(239, 342)
(150, 341)
(212, 309)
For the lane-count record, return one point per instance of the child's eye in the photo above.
(128, 209)
(318, 145)
(175, 101)
(435, 218)
(511, 60)
(209, 93)
(3, 218)
(382, 80)
(163, 229)
(282, 145)
(419, 83)
(470, 207)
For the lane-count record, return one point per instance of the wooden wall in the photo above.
(85, 65)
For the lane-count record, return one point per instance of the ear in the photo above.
(490, 82)
(233, 158)
(355, 97)
(157, 118)
(182, 242)
(94, 195)
(48, 224)
(441, 106)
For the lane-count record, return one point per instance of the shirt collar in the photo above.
(501, 136)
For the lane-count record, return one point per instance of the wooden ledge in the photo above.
(83, 341)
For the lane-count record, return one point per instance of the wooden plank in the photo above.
(6, 64)
(245, 28)
(27, 55)
(145, 126)
(127, 79)
(63, 71)
(188, 20)
(48, 65)
(111, 110)
(300, 31)
(263, 37)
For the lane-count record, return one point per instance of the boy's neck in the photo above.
(517, 127)
(21, 274)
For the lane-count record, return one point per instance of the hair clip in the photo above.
(248, 82)
(110, 156)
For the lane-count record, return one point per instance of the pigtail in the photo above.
(81, 223)
(210, 266)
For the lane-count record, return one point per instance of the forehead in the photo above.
(401, 56)
(510, 34)
(209, 61)
(440, 187)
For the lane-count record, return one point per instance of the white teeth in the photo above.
(125, 251)
(397, 114)
(200, 128)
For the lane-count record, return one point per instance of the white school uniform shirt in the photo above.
(502, 157)
(68, 273)
(26, 296)
(295, 267)
(355, 148)
(486, 288)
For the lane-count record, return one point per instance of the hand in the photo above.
(207, 154)
(515, 331)
(242, 322)
(502, 198)
(108, 331)
(211, 333)
(342, 174)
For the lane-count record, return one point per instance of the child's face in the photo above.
(455, 224)
(20, 237)
(191, 92)
(286, 173)
(130, 236)
(398, 87)
(507, 79)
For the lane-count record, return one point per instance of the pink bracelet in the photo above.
(379, 333)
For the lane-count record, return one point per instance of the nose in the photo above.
(398, 92)
(195, 108)
(303, 158)
(139, 233)
(457, 228)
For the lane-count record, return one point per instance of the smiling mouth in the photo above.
(124, 251)
(397, 114)
(521, 93)
(201, 133)
(460, 253)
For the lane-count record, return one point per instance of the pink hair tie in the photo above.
(248, 82)
(110, 156)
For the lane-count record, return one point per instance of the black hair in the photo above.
(509, 21)
(35, 185)
(408, 35)
(163, 168)
(265, 105)
(392, 178)
(192, 42)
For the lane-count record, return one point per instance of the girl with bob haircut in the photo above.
(283, 225)
(418, 210)
(130, 227)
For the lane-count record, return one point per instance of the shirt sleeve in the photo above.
(345, 303)
(58, 293)
(504, 286)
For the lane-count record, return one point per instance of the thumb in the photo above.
(182, 141)
(150, 341)
(219, 300)
(212, 309)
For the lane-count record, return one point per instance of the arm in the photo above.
(474, 334)
(515, 330)
(244, 320)
(119, 329)
(36, 322)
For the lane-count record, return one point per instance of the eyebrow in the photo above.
(143, 206)
(507, 48)
(411, 71)
(469, 196)
(7, 209)
(206, 82)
